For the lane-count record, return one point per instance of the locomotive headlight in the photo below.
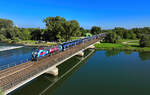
(34, 53)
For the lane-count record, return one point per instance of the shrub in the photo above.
(2, 37)
(15, 40)
(1, 92)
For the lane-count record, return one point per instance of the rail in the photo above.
(14, 64)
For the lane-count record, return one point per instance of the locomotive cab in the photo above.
(34, 54)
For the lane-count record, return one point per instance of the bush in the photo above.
(1, 93)
(2, 37)
(15, 40)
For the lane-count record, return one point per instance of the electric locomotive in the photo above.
(39, 53)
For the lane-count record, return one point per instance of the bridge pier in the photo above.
(81, 53)
(53, 71)
(98, 42)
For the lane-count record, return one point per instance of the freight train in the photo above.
(41, 52)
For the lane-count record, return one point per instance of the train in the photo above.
(41, 52)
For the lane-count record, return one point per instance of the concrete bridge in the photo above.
(15, 77)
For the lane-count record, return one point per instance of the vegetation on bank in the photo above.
(115, 46)
(58, 29)
(1, 93)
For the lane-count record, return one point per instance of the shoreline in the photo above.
(30, 44)
(102, 46)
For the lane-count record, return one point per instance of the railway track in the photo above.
(14, 75)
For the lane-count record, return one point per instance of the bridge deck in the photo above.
(12, 76)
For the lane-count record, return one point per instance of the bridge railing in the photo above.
(58, 58)
(14, 64)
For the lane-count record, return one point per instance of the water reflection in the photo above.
(144, 56)
(128, 52)
(121, 75)
(110, 53)
(46, 84)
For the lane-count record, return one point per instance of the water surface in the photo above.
(105, 73)
(14, 56)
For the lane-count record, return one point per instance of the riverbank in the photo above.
(33, 42)
(131, 47)
(30, 43)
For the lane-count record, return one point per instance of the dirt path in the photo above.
(127, 42)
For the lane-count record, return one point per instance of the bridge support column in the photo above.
(91, 47)
(53, 71)
(81, 53)
(98, 42)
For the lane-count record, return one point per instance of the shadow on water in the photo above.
(46, 84)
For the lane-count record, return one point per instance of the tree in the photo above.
(72, 28)
(61, 29)
(95, 30)
(2, 37)
(112, 37)
(145, 41)
(5, 23)
(55, 27)
(119, 31)
(36, 34)
(133, 35)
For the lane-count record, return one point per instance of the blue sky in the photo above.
(104, 13)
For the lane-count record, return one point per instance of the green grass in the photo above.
(108, 45)
(132, 47)
(125, 40)
(28, 41)
(1, 93)
(35, 43)
(75, 38)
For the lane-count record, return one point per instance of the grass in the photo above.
(75, 38)
(129, 42)
(108, 45)
(1, 93)
(126, 40)
(132, 47)
(35, 43)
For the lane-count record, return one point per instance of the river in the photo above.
(11, 55)
(104, 73)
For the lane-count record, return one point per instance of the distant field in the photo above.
(126, 40)
(75, 38)
(35, 43)
(108, 45)
(129, 42)
(128, 46)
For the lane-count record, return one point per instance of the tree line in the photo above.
(60, 29)
(142, 34)
(57, 29)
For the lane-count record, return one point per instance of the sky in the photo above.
(106, 14)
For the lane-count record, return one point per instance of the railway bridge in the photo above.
(15, 77)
